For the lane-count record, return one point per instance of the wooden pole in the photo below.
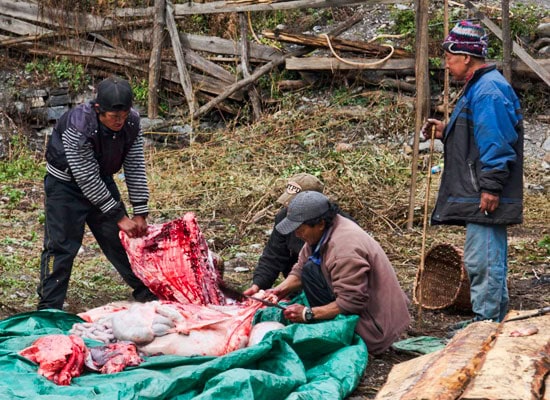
(422, 94)
(156, 59)
(506, 41)
(425, 225)
(185, 77)
(446, 74)
(252, 91)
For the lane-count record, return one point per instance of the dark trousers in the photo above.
(67, 212)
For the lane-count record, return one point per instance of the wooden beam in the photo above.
(355, 46)
(245, 64)
(506, 41)
(59, 18)
(185, 79)
(216, 7)
(246, 81)
(525, 57)
(333, 64)
(156, 59)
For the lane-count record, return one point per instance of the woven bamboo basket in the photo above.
(444, 282)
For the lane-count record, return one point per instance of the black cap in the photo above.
(114, 94)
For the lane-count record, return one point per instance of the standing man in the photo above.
(89, 144)
(281, 251)
(482, 183)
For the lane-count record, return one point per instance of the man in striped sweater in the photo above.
(89, 144)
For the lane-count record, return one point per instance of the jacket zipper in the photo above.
(473, 177)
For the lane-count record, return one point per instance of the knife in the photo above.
(234, 293)
(267, 303)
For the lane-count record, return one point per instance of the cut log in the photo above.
(446, 375)
(516, 366)
(374, 50)
(291, 85)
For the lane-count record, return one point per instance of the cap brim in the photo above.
(287, 226)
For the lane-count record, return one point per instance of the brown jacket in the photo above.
(364, 283)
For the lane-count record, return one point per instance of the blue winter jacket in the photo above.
(483, 152)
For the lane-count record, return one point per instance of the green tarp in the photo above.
(324, 360)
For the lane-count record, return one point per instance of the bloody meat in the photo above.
(60, 357)
(173, 260)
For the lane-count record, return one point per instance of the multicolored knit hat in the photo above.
(466, 38)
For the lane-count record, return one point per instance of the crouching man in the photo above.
(342, 270)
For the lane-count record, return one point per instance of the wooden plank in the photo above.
(185, 79)
(209, 67)
(191, 7)
(510, 368)
(329, 63)
(50, 16)
(520, 52)
(211, 44)
(19, 27)
(117, 59)
(333, 64)
(246, 81)
(221, 46)
(356, 46)
(245, 65)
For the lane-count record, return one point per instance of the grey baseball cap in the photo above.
(303, 207)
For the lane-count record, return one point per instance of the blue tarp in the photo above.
(324, 360)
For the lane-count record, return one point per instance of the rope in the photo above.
(358, 63)
(251, 28)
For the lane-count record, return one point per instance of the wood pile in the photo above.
(202, 68)
(208, 72)
(485, 360)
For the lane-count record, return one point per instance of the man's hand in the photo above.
(134, 227)
(289, 285)
(252, 290)
(488, 203)
(141, 225)
(294, 313)
(430, 124)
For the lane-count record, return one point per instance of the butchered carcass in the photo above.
(163, 327)
(174, 261)
(60, 357)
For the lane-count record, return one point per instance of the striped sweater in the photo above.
(83, 150)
